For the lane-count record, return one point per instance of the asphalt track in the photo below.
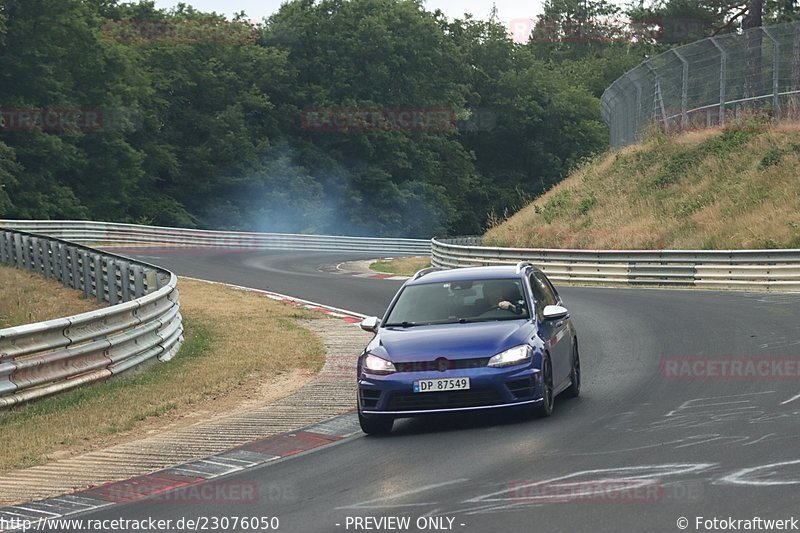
(638, 451)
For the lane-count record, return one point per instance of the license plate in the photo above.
(441, 385)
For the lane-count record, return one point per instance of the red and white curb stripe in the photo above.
(389, 277)
(182, 477)
(360, 269)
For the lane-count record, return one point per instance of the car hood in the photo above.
(453, 341)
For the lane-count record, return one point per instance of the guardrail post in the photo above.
(36, 263)
(86, 278)
(99, 279)
(27, 261)
(125, 280)
(4, 247)
(138, 281)
(152, 280)
(111, 282)
(67, 266)
(52, 259)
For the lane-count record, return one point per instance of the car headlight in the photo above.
(375, 365)
(514, 356)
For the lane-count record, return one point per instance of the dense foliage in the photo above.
(207, 122)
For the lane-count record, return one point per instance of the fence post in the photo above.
(723, 74)
(638, 125)
(776, 67)
(684, 89)
(658, 101)
(795, 81)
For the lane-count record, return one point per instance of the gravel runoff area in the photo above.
(331, 392)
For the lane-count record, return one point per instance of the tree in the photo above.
(570, 29)
(751, 25)
(202, 118)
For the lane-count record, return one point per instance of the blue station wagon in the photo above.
(468, 339)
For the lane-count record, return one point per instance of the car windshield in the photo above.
(458, 302)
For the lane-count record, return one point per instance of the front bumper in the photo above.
(490, 388)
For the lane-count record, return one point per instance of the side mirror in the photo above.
(554, 312)
(370, 324)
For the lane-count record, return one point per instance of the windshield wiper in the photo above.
(403, 325)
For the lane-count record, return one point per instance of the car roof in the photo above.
(468, 273)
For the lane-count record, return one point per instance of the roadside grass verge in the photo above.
(241, 350)
(28, 297)
(732, 188)
(401, 266)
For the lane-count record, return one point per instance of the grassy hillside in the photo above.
(715, 189)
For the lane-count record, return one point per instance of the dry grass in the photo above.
(241, 350)
(28, 298)
(401, 266)
(736, 188)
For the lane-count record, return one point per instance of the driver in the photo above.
(500, 296)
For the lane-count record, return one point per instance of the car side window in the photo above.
(552, 289)
(538, 294)
(549, 295)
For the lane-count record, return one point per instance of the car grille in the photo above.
(521, 388)
(434, 366)
(443, 400)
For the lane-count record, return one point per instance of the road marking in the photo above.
(365, 504)
(623, 473)
(688, 403)
(793, 398)
(746, 476)
(35, 510)
(712, 438)
(759, 439)
(637, 448)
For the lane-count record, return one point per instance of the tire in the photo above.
(375, 425)
(544, 408)
(574, 390)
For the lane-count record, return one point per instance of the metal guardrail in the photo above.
(143, 322)
(777, 270)
(131, 234)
